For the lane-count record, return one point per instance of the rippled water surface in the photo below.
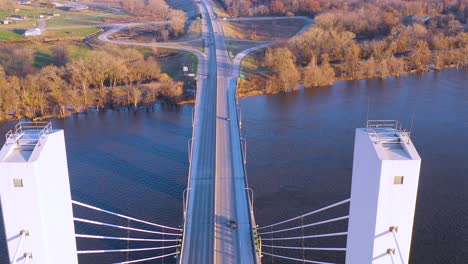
(134, 163)
(300, 149)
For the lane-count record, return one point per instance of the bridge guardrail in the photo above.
(253, 223)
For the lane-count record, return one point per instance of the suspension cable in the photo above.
(392, 258)
(311, 236)
(305, 248)
(124, 216)
(302, 241)
(296, 259)
(27, 258)
(146, 259)
(122, 250)
(123, 227)
(308, 225)
(400, 253)
(19, 247)
(127, 238)
(307, 214)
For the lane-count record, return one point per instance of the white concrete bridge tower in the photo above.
(383, 194)
(35, 196)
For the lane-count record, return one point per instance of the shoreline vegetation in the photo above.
(356, 39)
(104, 77)
(54, 77)
(349, 40)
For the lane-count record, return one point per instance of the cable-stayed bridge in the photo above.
(219, 224)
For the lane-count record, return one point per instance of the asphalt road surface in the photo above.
(217, 182)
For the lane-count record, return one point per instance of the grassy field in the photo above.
(76, 49)
(85, 21)
(43, 51)
(189, 7)
(87, 18)
(263, 29)
(69, 33)
(44, 55)
(255, 75)
(219, 9)
(152, 33)
(171, 63)
(12, 35)
(235, 46)
(42, 59)
(66, 18)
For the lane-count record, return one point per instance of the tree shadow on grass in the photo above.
(19, 31)
(42, 59)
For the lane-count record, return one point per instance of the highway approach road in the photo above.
(217, 184)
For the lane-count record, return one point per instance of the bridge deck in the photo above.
(217, 182)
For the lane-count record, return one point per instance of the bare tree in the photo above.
(318, 75)
(136, 96)
(177, 20)
(421, 56)
(81, 73)
(284, 72)
(52, 76)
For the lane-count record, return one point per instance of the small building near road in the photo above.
(33, 32)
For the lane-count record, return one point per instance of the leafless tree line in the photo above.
(371, 16)
(328, 51)
(111, 77)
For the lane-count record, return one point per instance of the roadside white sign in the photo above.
(185, 69)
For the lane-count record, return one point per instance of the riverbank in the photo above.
(126, 108)
(256, 91)
(257, 77)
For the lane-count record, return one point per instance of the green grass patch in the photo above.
(235, 47)
(43, 52)
(69, 33)
(42, 59)
(77, 49)
(12, 35)
(263, 29)
(58, 22)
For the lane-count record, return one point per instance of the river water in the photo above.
(299, 158)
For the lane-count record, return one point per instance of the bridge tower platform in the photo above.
(383, 194)
(35, 196)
